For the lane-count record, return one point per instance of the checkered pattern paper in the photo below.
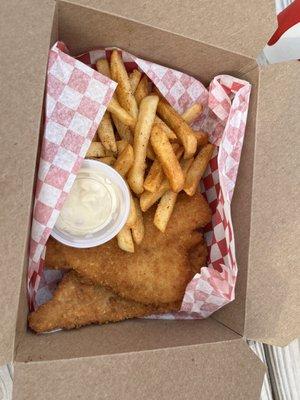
(225, 106)
(76, 99)
(224, 117)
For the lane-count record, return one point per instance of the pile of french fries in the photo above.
(150, 145)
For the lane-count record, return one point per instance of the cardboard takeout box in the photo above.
(143, 359)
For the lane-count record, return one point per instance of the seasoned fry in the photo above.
(125, 160)
(202, 137)
(123, 91)
(135, 78)
(132, 217)
(192, 113)
(167, 158)
(109, 160)
(178, 150)
(147, 199)
(167, 202)
(121, 144)
(96, 149)
(179, 126)
(125, 241)
(164, 210)
(197, 169)
(106, 133)
(138, 229)
(120, 113)
(156, 174)
(171, 135)
(154, 177)
(142, 89)
(123, 130)
(185, 165)
(141, 138)
(109, 153)
(102, 66)
(122, 127)
(150, 152)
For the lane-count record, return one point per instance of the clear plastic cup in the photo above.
(114, 221)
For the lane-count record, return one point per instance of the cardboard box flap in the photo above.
(214, 369)
(273, 294)
(243, 27)
(130, 336)
(24, 25)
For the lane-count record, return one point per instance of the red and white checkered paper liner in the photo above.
(224, 117)
(76, 99)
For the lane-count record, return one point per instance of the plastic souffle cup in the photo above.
(96, 208)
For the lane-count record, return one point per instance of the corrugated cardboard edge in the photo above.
(273, 295)
(240, 27)
(24, 25)
(214, 369)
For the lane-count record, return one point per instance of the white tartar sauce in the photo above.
(90, 204)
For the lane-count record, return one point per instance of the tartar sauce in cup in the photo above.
(96, 208)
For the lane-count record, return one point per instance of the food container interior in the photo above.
(82, 29)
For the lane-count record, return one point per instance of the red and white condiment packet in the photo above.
(224, 117)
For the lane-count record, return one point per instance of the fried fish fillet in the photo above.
(198, 255)
(77, 303)
(158, 271)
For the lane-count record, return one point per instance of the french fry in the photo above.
(123, 130)
(167, 202)
(150, 152)
(142, 89)
(123, 91)
(109, 153)
(121, 144)
(179, 126)
(154, 177)
(106, 133)
(171, 135)
(147, 199)
(156, 173)
(164, 210)
(125, 241)
(192, 113)
(201, 137)
(178, 151)
(138, 229)
(120, 113)
(197, 169)
(96, 149)
(141, 138)
(167, 158)
(102, 66)
(135, 78)
(109, 160)
(125, 160)
(132, 217)
(185, 165)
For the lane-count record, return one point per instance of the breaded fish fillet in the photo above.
(76, 303)
(158, 271)
(198, 255)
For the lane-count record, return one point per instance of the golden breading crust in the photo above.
(158, 271)
(76, 303)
